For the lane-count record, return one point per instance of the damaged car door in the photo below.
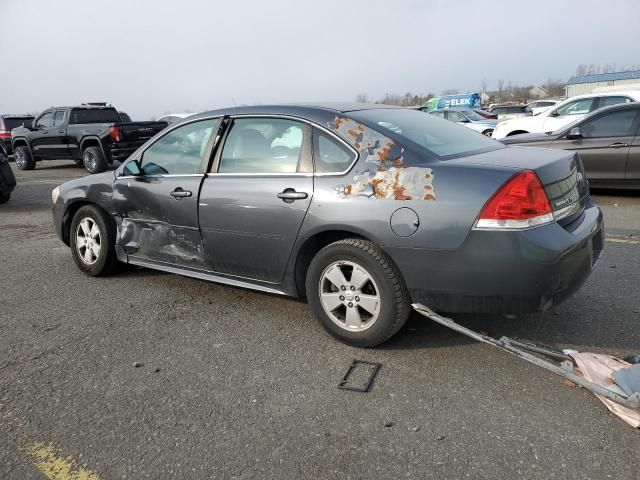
(254, 200)
(156, 194)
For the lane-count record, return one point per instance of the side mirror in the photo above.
(554, 113)
(132, 168)
(463, 120)
(574, 134)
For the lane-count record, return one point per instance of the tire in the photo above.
(4, 197)
(93, 160)
(23, 158)
(98, 261)
(388, 301)
(488, 133)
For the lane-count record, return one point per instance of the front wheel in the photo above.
(23, 158)
(92, 240)
(357, 293)
(488, 133)
(4, 197)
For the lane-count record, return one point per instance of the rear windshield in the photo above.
(97, 115)
(14, 122)
(441, 138)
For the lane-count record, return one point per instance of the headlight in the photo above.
(54, 194)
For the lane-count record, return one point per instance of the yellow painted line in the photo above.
(56, 467)
(620, 240)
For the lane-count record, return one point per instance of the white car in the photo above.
(540, 106)
(173, 117)
(563, 113)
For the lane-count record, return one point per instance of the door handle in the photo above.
(179, 193)
(290, 194)
(618, 145)
(60, 131)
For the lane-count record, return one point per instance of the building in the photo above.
(539, 92)
(586, 84)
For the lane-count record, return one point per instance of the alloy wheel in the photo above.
(349, 296)
(89, 161)
(88, 241)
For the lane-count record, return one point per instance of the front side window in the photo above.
(617, 124)
(262, 145)
(45, 120)
(454, 116)
(577, 107)
(181, 151)
(608, 101)
(438, 114)
(329, 155)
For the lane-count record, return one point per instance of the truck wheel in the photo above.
(357, 293)
(92, 238)
(4, 197)
(93, 160)
(24, 160)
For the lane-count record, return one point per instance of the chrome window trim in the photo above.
(296, 174)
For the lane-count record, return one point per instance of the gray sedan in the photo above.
(467, 118)
(362, 209)
(607, 140)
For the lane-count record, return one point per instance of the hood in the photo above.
(541, 138)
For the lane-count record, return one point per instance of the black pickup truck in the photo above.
(92, 135)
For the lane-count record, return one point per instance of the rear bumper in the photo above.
(505, 272)
(122, 150)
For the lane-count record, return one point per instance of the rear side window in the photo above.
(180, 151)
(262, 145)
(617, 124)
(608, 101)
(97, 115)
(59, 118)
(329, 155)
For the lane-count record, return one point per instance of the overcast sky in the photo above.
(148, 57)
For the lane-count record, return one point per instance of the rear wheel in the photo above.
(488, 132)
(92, 240)
(357, 293)
(23, 158)
(4, 197)
(93, 160)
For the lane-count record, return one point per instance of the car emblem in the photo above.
(579, 177)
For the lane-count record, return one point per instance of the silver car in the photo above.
(468, 118)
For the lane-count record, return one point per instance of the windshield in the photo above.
(439, 137)
(471, 115)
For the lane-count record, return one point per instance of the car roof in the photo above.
(297, 109)
(630, 93)
(17, 115)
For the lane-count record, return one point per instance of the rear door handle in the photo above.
(290, 194)
(179, 193)
(60, 131)
(618, 145)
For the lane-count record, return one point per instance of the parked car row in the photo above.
(93, 135)
(607, 140)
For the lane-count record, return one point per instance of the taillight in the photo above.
(5, 134)
(520, 203)
(114, 133)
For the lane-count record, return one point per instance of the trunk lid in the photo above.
(561, 173)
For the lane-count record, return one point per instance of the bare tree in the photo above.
(581, 71)
(450, 91)
(500, 89)
(362, 98)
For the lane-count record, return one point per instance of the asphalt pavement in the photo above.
(146, 374)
